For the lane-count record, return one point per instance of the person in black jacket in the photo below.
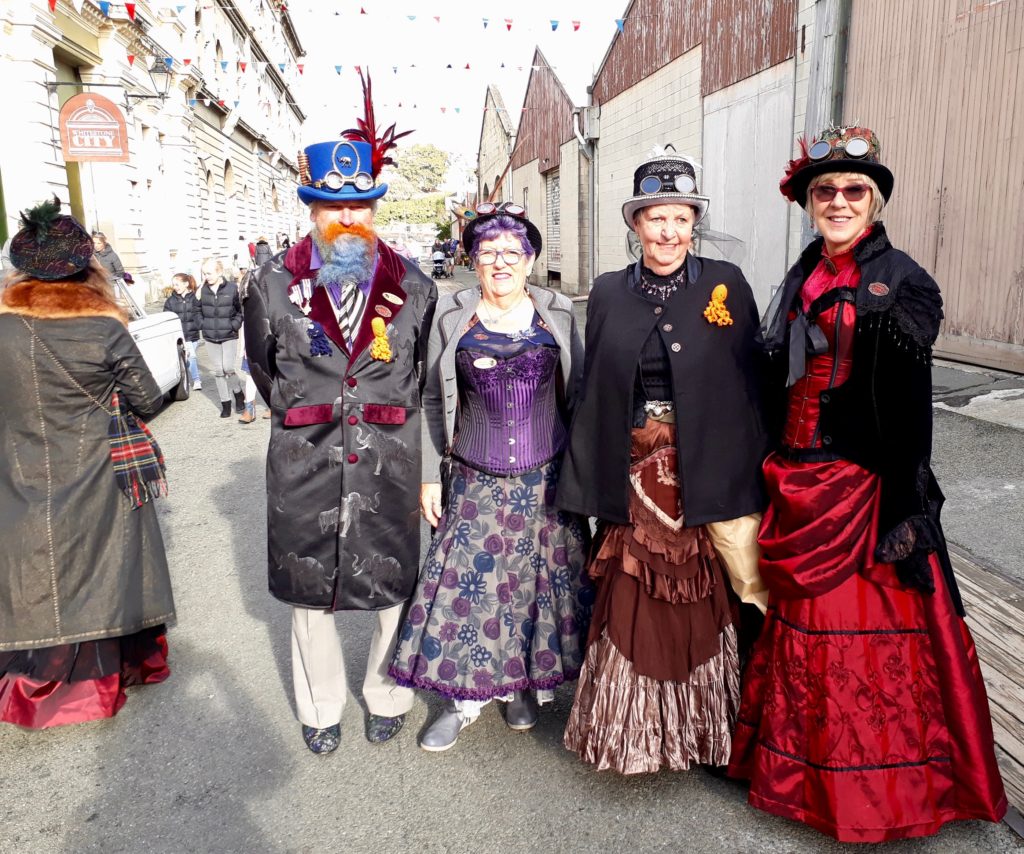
(222, 318)
(184, 303)
(263, 252)
(865, 665)
(665, 450)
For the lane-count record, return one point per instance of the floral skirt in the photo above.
(660, 684)
(503, 602)
(78, 682)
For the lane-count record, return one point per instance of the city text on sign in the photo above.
(93, 128)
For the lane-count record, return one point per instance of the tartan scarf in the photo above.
(138, 461)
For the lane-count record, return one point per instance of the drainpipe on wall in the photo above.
(843, 15)
(588, 150)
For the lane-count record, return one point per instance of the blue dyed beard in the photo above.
(349, 258)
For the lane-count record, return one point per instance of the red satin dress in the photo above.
(864, 713)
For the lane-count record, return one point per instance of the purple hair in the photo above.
(503, 224)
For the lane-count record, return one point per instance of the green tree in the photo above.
(444, 230)
(423, 166)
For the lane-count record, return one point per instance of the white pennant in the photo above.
(78, 5)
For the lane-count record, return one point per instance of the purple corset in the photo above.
(509, 420)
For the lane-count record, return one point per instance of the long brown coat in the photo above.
(76, 562)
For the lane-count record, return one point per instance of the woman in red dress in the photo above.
(863, 711)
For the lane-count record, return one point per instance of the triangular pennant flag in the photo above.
(399, 104)
(169, 62)
(241, 67)
(301, 66)
(442, 109)
(618, 23)
(485, 23)
(503, 65)
(130, 9)
(206, 102)
(458, 109)
(449, 66)
(53, 5)
(180, 10)
(236, 105)
(394, 68)
(554, 26)
(191, 102)
(575, 26)
(337, 68)
(78, 5)
(467, 66)
(281, 66)
(131, 60)
(221, 103)
(437, 18)
(187, 61)
(508, 24)
(359, 69)
(223, 65)
(362, 11)
(105, 7)
(411, 17)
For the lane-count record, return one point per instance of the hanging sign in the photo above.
(93, 128)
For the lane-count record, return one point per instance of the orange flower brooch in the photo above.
(716, 313)
(380, 347)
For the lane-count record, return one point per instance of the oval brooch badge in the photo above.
(878, 289)
(382, 310)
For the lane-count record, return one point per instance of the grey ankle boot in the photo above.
(521, 713)
(444, 732)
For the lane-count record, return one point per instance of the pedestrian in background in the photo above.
(222, 318)
(263, 252)
(184, 303)
(85, 593)
(106, 255)
(665, 451)
(864, 712)
(336, 332)
(503, 604)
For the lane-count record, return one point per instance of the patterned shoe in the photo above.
(322, 741)
(380, 729)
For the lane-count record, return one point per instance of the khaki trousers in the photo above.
(318, 668)
(735, 540)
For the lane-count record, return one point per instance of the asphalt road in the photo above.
(213, 760)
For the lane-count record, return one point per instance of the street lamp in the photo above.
(160, 76)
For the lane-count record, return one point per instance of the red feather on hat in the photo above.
(795, 165)
(367, 131)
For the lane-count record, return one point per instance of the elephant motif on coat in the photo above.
(389, 449)
(384, 572)
(346, 515)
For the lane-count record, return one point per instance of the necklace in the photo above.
(493, 318)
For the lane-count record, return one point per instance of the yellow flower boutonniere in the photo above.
(716, 312)
(380, 347)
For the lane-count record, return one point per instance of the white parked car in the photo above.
(161, 342)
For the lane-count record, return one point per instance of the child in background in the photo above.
(183, 303)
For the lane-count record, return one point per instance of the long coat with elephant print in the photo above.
(343, 465)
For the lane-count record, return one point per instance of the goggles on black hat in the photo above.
(855, 147)
(669, 183)
(487, 208)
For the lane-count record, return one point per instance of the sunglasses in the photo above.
(511, 257)
(855, 146)
(485, 208)
(851, 192)
(656, 184)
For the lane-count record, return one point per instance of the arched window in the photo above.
(229, 178)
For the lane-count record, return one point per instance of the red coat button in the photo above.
(351, 382)
(353, 458)
(353, 420)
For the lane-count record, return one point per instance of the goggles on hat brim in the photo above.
(488, 208)
(335, 181)
(680, 183)
(855, 147)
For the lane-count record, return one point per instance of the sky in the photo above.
(444, 106)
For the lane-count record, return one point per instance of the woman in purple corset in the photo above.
(502, 605)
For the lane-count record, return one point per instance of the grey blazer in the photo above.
(440, 392)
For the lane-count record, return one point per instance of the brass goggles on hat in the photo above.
(667, 184)
(487, 208)
(855, 147)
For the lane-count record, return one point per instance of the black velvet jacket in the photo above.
(715, 387)
(881, 417)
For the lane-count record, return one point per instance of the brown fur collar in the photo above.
(54, 300)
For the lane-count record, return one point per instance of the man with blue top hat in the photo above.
(335, 330)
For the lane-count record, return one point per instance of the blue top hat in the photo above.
(338, 171)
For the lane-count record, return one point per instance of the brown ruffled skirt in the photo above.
(660, 681)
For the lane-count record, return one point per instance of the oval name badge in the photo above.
(878, 289)
(485, 363)
(393, 298)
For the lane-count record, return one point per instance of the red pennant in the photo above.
(130, 9)
(508, 24)
(443, 109)
(300, 66)
(437, 18)
(187, 62)
(53, 5)
(241, 66)
(221, 103)
(359, 70)
(467, 66)
(575, 26)
(131, 59)
(362, 11)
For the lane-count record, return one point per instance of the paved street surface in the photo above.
(213, 760)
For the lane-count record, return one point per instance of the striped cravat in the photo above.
(353, 300)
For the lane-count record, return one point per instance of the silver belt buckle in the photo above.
(658, 407)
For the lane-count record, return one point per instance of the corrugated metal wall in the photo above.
(546, 120)
(740, 38)
(553, 241)
(942, 83)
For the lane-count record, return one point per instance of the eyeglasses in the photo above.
(490, 256)
(655, 184)
(851, 192)
(486, 208)
(855, 146)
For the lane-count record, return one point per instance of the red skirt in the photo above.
(864, 713)
(74, 683)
